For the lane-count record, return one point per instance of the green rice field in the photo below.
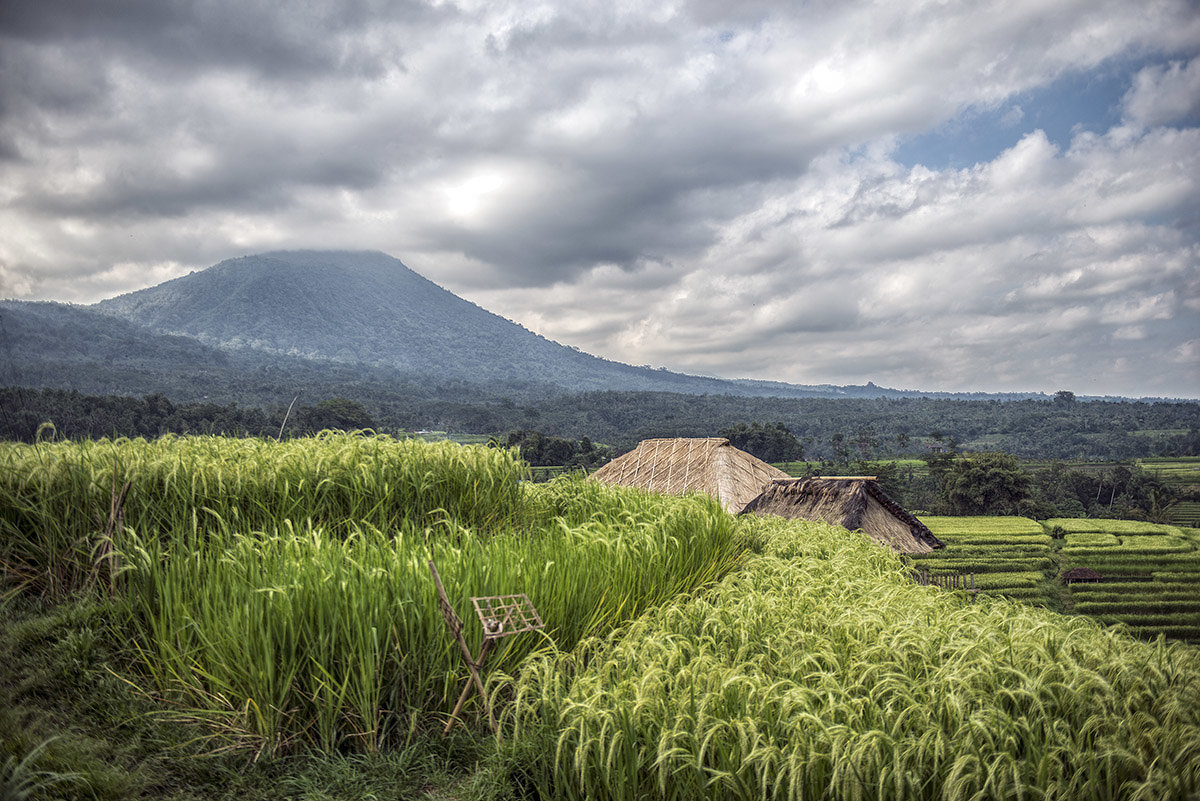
(1148, 570)
(282, 590)
(1010, 556)
(274, 599)
(820, 671)
(1183, 474)
(1149, 574)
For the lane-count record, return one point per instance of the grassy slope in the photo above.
(248, 641)
(814, 666)
(822, 672)
(66, 680)
(819, 620)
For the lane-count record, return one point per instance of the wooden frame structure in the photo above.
(501, 616)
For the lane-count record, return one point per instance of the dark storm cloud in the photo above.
(283, 42)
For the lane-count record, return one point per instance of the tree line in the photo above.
(948, 478)
(27, 414)
(825, 429)
(951, 482)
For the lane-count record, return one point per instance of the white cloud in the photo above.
(1164, 94)
(967, 278)
(702, 185)
(1012, 117)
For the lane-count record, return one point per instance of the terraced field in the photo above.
(1182, 474)
(1186, 513)
(1010, 556)
(1150, 572)
(272, 602)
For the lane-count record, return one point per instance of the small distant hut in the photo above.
(855, 502)
(1078, 575)
(682, 465)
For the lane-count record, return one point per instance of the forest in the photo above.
(962, 457)
(829, 429)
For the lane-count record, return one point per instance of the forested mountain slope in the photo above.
(369, 308)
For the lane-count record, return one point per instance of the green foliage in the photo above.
(250, 395)
(276, 596)
(69, 704)
(280, 590)
(298, 636)
(335, 414)
(540, 450)
(997, 581)
(21, 780)
(986, 483)
(1166, 599)
(771, 443)
(1007, 529)
(1109, 526)
(56, 498)
(821, 672)
(1091, 539)
(1160, 604)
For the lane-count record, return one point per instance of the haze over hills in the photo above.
(332, 316)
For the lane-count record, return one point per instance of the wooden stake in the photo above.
(454, 622)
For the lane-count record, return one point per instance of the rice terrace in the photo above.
(211, 617)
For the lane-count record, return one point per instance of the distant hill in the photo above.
(254, 329)
(45, 344)
(368, 308)
(258, 329)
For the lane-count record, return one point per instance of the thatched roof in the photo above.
(1081, 574)
(853, 502)
(679, 466)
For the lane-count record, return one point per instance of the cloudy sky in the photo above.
(937, 195)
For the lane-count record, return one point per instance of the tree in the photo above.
(335, 414)
(986, 483)
(540, 450)
(771, 443)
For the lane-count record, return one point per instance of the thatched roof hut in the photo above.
(1081, 574)
(855, 502)
(679, 466)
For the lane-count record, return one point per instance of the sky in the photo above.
(942, 195)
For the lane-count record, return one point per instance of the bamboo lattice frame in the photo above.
(502, 615)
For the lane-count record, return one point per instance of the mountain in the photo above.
(44, 344)
(256, 330)
(367, 308)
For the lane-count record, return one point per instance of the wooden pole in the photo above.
(466, 691)
(455, 624)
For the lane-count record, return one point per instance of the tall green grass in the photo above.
(821, 672)
(55, 498)
(303, 635)
(280, 591)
